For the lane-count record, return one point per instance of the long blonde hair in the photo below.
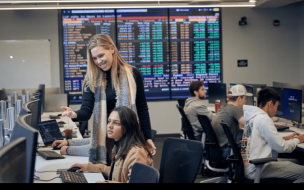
(93, 70)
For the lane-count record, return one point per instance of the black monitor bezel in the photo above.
(22, 123)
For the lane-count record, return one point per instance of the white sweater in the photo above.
(260, 137)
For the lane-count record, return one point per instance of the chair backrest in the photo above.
(153, 134)
(181, 102)
(214, 154)
(186, 125)
(142, 173)
(180, 161)
(239, 166)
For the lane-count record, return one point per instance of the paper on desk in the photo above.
(93, 177)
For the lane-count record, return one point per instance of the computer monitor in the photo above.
(256, 88)
(289, 85)
(249, 89)
(13, 162)
(217, 91)
(3, 95)
(290, 107)
(22, 129)
(34, 107)
(42, 88)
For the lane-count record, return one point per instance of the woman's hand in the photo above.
(63, 150)
(60, 143)
(151, 147)
(83, 167)
(68, 112)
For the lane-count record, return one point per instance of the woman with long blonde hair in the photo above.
(109, 82)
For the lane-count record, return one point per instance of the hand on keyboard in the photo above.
(292, 136)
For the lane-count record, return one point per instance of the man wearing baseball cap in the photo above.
(232, 114)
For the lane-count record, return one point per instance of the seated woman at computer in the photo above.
(261, 137)
(232, 114)
(195, 106)
(109, 82)
(129, 147)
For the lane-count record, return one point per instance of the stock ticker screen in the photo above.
(170, 47)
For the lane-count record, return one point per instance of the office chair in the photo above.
(236, 164)
(142, 173)
(181, 102)
(186, 125)
(153, 134)
(213, 159)
(180, 161)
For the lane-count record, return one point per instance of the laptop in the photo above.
(49, 131)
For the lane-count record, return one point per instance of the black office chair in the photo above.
(236, 164)
(153, 134)
(186, 125)
(142, 173)
(180, 160)
(181, 102)
(213, 159)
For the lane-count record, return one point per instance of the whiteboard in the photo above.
(25, 64)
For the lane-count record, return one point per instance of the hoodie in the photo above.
(194, 107)
(260, 137)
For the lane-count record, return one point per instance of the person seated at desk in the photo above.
(261, 137)
(194, 106)
(109, 82)
(232, 114)
(129, 147)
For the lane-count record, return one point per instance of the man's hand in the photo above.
(301, 138)
(292, 136)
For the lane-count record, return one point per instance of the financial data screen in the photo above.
(170, 47)
(78, 27)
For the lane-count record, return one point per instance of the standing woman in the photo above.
(109, 82)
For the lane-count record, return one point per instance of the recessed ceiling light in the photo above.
(11, 57)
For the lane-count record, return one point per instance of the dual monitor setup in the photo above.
(18, 156)
(290, 107)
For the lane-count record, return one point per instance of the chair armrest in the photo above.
(262, 161)
(231, 159)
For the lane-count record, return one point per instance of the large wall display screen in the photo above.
(170, 47)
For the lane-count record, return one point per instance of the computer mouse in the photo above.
(74, 169)
(56, 148)
(59, 114)
(61, 122)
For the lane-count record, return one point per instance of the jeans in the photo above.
(198, 138)
(226, 150)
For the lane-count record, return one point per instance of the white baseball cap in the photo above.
(239, 90)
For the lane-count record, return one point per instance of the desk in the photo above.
(53, 165)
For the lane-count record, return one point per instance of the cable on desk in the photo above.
(38, 178)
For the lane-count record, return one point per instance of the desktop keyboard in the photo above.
(281, 127)
(72, 177)
(49, 155)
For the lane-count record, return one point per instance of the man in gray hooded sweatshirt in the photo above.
(260, 137)
(194, 106)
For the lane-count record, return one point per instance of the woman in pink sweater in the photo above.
(129, 147)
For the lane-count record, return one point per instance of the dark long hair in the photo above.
(132, 135)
